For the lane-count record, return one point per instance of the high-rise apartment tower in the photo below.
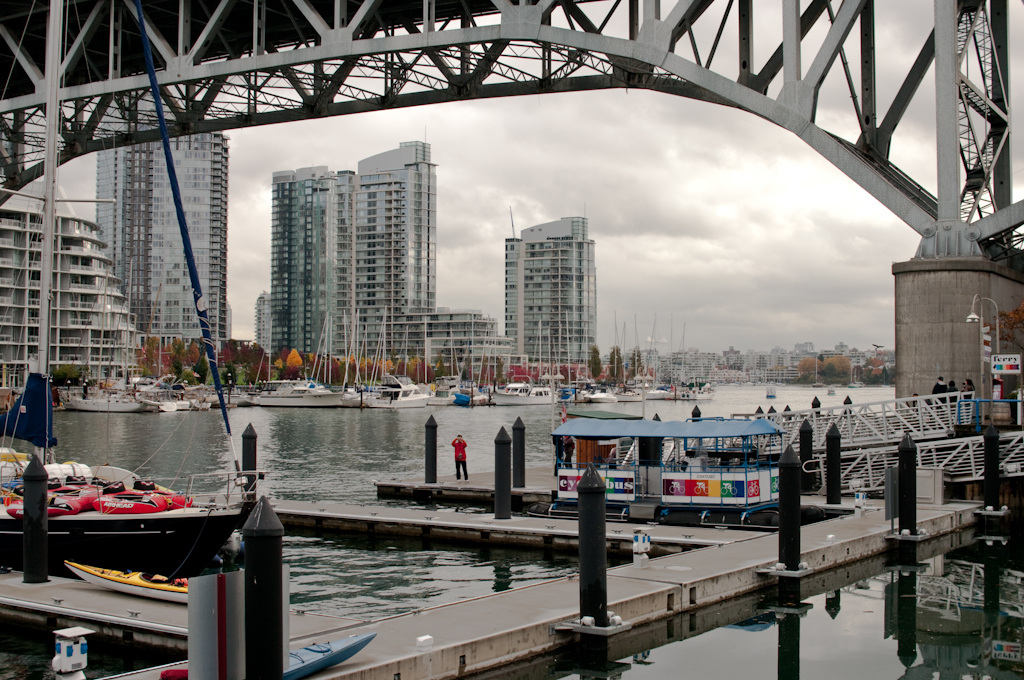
(141, 228)
(551, 291)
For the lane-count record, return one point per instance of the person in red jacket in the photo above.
(460, 457)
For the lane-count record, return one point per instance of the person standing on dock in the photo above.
(460, 457)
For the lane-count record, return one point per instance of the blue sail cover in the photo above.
(31, 417)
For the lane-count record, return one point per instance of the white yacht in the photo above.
(522, 394)
(305, 393)
(600, 395)
(397, 391)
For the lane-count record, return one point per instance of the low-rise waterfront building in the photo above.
(458, 338)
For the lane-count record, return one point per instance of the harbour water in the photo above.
(337, 454)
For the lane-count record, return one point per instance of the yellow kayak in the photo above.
(133, 582)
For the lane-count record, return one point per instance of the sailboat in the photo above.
(179, 542)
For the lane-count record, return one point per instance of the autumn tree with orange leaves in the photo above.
(1011, 327)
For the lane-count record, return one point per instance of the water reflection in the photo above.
(956, 614)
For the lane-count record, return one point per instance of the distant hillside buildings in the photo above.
(141, 228)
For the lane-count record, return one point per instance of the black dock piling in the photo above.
(806, 455)
(519, 454)
(833, 603)
(264, 608)
(906, 618)
(695, 413)
(502, 475)
(991, 483)
(789, 646)
(34, 538)
(907, 492)
(833, 466)
(430, 452)
(249, 464)
(593, 548)
(815, 403)
(789, 509)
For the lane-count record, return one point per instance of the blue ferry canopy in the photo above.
(707, 428)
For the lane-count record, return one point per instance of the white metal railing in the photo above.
(962, 458)
(880, 422)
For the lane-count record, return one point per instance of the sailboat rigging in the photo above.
(181, 541)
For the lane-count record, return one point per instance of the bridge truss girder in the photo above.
(225, 64)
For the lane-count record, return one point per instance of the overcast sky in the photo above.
(701, 214)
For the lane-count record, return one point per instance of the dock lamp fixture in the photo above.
(974, 318)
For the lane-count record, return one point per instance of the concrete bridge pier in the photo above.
(933, 300)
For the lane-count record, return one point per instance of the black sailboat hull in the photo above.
(179, 542)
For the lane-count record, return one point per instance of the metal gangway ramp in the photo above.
(963, 459)
(879, 423)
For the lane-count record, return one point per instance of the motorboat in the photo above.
(522, 394)
(600, 395)
(661, 392)
(397, 391)
(443, 391)
(303, 393)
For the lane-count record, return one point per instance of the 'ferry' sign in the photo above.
(1006, 363)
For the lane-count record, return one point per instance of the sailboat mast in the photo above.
(53, 34)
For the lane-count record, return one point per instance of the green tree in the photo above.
(636, 362)
(201, 371)
(439, 366)
(615, 363)
(594, 362)
(65, 374)
(499, 370)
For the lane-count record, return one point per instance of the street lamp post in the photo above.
(974, 318)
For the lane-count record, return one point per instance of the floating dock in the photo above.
(484, 529)
(119, 618)
(467, 637)
(540, 485)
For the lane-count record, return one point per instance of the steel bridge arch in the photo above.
(336, 57)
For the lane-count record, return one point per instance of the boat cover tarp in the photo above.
(31, 416)
(610, 429)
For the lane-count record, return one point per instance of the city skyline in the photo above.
(701, 213)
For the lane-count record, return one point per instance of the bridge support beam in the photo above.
(933, 299)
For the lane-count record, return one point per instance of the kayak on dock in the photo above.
(138, 583)
(313, 658)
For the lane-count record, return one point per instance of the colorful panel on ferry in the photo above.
(619, 486)
(706, 488)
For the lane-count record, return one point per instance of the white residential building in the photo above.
(261, 319)
(551, 291)
(91, 327)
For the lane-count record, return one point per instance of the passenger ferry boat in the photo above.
(699, 471)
